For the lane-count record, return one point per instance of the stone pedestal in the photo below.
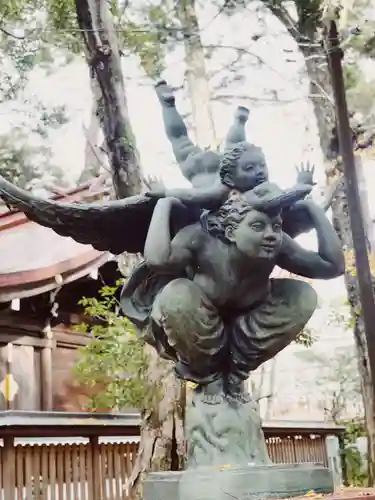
(228, 459)
(252, 482)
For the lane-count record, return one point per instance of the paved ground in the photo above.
(343, 494)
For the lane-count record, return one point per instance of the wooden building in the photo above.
(42, 278)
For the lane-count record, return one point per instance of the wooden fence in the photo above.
(296, 449)
(100, 471)
(66, 471)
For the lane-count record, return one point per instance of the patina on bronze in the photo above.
(203, 295)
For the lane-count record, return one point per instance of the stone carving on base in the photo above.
(224, 433)
(203, 296)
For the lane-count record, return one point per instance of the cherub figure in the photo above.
(242, 167)
(202, 168)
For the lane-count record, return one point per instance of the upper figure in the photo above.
(214, 175)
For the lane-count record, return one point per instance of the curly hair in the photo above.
(229, 216)
(230, 159)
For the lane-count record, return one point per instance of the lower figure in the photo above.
(193, 328)
(208, 349)
(259, 335)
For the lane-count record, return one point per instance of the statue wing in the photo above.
(115, 226)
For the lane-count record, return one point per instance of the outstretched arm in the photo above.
(328, 262)
(210, 198)
(160, 250)
(174, 125)
(237, 132)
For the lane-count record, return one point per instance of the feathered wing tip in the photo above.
(114, 226)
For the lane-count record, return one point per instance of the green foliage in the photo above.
(352, 75)
(25, 157)
(149, 31)
(147, 45)
(29, 166)
(306, 338)
(114, 362)
(309, 15)
(145, 30)
(355, 468)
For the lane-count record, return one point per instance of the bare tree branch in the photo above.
(284, 17)
(12, 35)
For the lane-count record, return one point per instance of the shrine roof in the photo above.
(34, 259)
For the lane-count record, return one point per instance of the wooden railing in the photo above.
(93, 470)
(67, 471)
(297, 449)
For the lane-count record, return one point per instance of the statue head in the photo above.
(243, 167)
(255, 232)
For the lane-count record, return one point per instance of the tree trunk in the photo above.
(325, 115)
(162, 444)
(103, 58)
(343, 229)
(93, 156)
(197, 78)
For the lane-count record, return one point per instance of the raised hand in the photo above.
(156, 187)
(305, 174)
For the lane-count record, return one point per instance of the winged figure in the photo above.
(114, 226)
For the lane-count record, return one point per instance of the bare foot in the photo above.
(242, 114)
(165, 93)
(238, 398)
(212, 393)
(236, 391)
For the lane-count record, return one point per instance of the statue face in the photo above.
(251, 170)
(258, 235)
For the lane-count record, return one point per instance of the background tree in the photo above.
(25, 156)
(304, 21)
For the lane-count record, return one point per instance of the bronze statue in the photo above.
(203, 295)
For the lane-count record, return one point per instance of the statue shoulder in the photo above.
(190, 236)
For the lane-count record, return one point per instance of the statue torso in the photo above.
(201, 168)
(226, 277)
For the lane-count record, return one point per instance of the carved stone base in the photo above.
(222, 430)
(228, 459)
(241, 483)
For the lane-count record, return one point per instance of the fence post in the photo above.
(96, 472)
(334, 459)
(9, 467)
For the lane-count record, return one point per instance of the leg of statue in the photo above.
(193, 329)
(262, 333)
(175, 127)
(237, 132)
